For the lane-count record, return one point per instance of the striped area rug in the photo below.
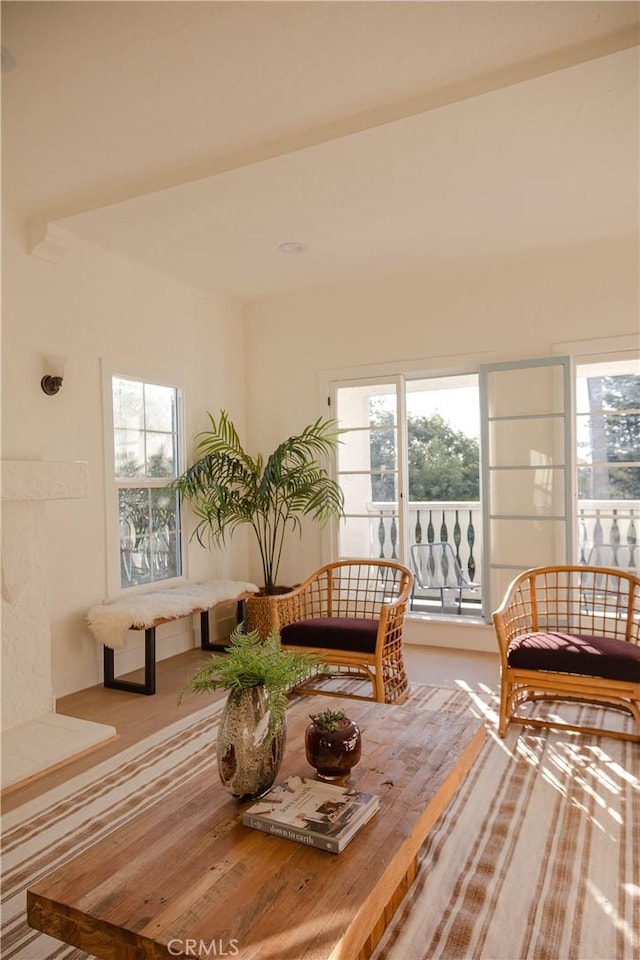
(538, 856)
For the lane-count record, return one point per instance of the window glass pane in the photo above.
(129, 453)
(526, 391)
(128, 404)
(165, 553)
(372, 536)
(164, 510)
(363, 489)
(443, 432)
(609, 385)
(529, 493)
(527, 543)
(542, 441)
(608, 431)
(455, 399)
(365, 405)
(149, 535)
(371, 445)
(358, 496)
(134, 525)
(159, 407)
(383, 445)
(160, 455)
(384, 486)
(608, 535)
(374, 449)
(620, 483)
(500, 578)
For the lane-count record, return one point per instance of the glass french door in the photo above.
(527, 491)
(527, 444)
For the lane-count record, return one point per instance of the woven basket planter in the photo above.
(259, 609)
(258, 616)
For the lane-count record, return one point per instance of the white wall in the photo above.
(91, 305)
(514, 307)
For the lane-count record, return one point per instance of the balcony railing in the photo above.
(606, 536)
(458, 523)
(607, 533)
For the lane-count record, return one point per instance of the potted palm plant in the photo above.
(227, 487)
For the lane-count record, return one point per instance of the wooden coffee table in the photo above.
(187, 879)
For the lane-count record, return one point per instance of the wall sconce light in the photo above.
(52, 381)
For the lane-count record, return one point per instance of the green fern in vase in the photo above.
(252, 662)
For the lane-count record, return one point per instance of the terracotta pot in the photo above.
(333, 752)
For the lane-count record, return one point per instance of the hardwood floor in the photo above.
(135, 716)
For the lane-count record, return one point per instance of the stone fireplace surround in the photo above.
(34, 737)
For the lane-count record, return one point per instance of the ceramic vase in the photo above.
(333, 752)
(249, 755)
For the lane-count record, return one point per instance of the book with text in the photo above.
(309, 811)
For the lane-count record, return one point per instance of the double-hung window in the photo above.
(144, 434)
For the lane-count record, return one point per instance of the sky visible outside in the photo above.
(458, 407)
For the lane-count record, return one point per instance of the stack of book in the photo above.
(309, 811)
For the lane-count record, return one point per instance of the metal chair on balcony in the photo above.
(436, 568)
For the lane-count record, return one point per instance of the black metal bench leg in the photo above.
(241, 611)
(205, 643)
(148, 686)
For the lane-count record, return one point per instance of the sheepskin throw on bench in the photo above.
(110, 622)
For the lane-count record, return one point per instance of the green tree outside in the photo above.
(444, 464)
(614, 432)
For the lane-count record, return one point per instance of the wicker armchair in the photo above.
(350, 613)
(570, 633)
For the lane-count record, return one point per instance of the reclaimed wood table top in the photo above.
(186, 878)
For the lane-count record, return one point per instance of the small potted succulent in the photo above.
(333, 744)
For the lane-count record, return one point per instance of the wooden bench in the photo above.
(111, 622)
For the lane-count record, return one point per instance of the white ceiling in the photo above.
(197, 136)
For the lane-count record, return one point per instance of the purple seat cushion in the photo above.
(335, 633)
(571, 653)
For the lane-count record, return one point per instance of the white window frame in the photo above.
(141, 374)
(398, 384)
